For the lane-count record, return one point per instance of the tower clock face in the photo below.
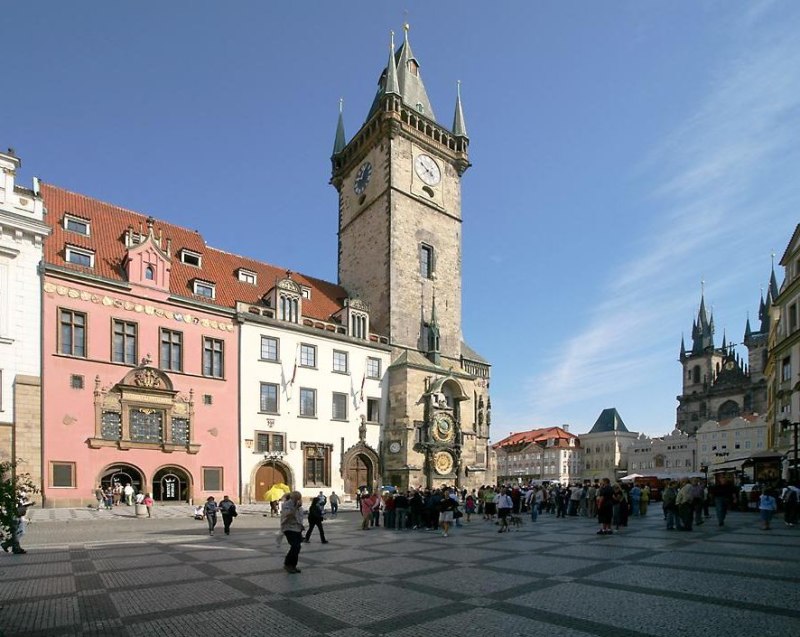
(427, 169)
(443, 463)
(362, 178)
(443, 428)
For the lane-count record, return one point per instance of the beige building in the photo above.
(400, 226)
(672, 455)
(784, 361)
(727, 445)
(606, 447)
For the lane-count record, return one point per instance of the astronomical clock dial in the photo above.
(362, 178)
(443, 463)
(427, 169)
(443, 428)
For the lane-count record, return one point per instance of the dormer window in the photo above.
(306, 292)
(204, 288)
(247, 276)
(78, 256)
(420, 108)
(358, 325)
(77, 225)
(288, 308)
(191, 258)
(149, 273)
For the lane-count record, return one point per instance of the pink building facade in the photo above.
(140, 359)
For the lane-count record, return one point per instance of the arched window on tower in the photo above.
(696, 374)
(149, 273)
(728, 409)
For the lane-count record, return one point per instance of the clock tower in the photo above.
(400, 224)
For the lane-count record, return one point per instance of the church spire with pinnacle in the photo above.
(459, 127)
(339, 141)
(392, 86)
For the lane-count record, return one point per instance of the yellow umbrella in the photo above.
(280, 485)
(275, 493)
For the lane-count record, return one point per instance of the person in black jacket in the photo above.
(315, 520)
(228, 510)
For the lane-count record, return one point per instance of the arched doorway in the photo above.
(357, 474)
(171, 484)
(122, 474)
(268, 474)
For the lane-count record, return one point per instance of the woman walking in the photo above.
(210, 513)
(292, 527)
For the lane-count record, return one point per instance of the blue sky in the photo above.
(622, 152)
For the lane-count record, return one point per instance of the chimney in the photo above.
(565, 427)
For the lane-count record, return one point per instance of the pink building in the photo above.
(140, 360)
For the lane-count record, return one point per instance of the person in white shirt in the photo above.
(128, 491)
(504, 506)
(139, 497)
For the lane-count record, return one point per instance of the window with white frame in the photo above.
(269, 348)
(305, 292)
(246, 276)
(373, 368)
(308, 355)
(340, 361)
(373, 410)
(267, 441)
(204, 288)
(191, 258)
(77, 225)
(79, 256)
(213, 357)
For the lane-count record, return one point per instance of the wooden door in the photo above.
(266, 476)
(358, 474)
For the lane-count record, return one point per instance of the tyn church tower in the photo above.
(399, 185)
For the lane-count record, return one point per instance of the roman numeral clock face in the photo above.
(362, 178)
(427, 169)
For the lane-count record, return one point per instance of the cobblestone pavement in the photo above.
(108, 573)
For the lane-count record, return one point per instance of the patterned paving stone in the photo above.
(542, 565)
(664, 616)
(737, 564)
(194, 596)
(471, 582)
(463, 555)
(392, 566)
(123, 561)
(371, 603)
(248, 620)
(37, 586)
(45, 615)
(147, 576)
(481, 622)
(280, 582)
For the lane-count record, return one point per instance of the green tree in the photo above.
(13, 486)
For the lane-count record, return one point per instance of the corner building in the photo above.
(399, 185)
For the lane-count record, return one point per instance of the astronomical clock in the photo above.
(441, 443)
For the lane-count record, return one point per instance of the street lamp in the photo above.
(786, 424)
(704, 471)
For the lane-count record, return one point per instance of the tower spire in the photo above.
(392, 87)
(459, 127)
(339, 140)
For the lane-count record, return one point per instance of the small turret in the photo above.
(339, 141)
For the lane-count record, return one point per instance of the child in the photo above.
(767, 505)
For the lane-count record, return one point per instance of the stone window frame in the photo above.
(321, 454)
(376, 409)
(209, 345)
(123, 322)
(375, 363)
(261, 399)
(277, 341)
(427, 260)
(71, 323)
(270, 437)
(314, 405)
(73, 474)
(161, 332)
(343, 398)
(305, 350)
(206, 471)
(337, 367)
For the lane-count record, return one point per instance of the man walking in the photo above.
(292, 527)
(334, 500)
(228, 510)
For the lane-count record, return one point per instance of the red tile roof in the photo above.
(109, 223)
(535, 435)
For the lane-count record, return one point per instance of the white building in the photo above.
(21, 235)
(551, 454)
(724, 445)
(673, 455)
(312, 395)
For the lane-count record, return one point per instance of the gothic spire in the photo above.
(459, 127)
(748, 332)
(392, 87)
(773, 282)
(683, 348)
(703, 329)
(339, 141)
